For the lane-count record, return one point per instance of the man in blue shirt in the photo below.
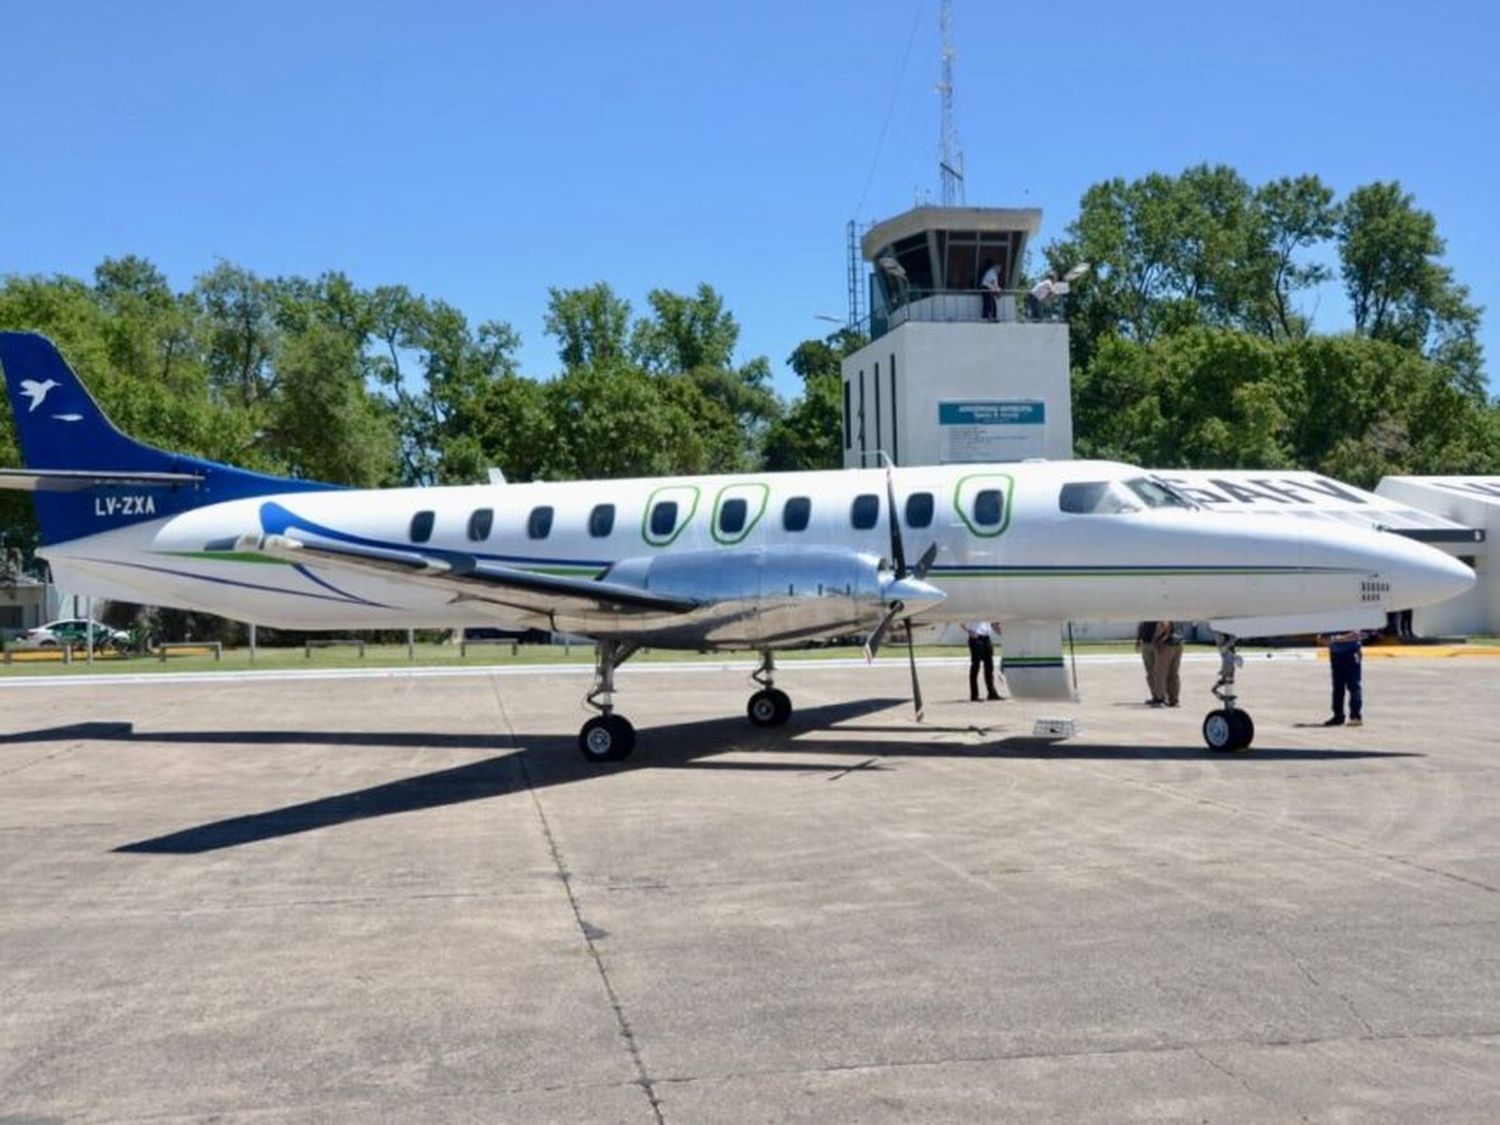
(1344, 657)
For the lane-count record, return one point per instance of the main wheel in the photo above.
(769, 707)
(1244, 729)
(606, 738)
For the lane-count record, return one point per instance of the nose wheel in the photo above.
(1226, 730)
(1229, 728)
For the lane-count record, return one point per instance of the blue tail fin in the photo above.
(60, 427)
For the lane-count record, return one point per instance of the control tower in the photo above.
(951, 373)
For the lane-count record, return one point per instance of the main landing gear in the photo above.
(607, 737)
(768, 707)
(1228, 728)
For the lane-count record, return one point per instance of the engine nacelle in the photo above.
(763, 596)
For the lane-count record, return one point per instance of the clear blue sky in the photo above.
(480, 152)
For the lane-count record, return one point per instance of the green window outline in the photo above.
(750, 522)
(681, 523)
(1009, 487)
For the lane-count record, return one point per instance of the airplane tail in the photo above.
(87, 477)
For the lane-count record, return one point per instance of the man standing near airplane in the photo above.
(1345, 659)
(981, 654)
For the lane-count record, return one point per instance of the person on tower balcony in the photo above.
(989, 286)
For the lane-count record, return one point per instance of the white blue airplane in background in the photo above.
(749, 561)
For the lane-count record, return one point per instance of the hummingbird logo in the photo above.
(37, 392)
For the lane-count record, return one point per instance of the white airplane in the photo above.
(751, 561)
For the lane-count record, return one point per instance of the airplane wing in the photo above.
(74, 480)
(538, 595)
(1032, 662)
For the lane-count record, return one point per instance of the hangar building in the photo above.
(1471, 502)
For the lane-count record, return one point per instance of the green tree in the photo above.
(1398, 288)
(810, 434)
(591, 324)
(324, 425)
(1293, 215)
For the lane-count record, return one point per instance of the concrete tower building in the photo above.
(953, 372)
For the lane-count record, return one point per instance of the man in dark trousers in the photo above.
(1346, 660)
(981, 654)
(1145, 644)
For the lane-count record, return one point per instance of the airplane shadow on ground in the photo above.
(531, 762)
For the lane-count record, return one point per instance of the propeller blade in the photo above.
(872, 646)
(898, 550)
(920, 570)
(911, 656)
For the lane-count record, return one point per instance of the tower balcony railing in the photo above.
(962, 306)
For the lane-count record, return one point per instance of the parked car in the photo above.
(72, 631)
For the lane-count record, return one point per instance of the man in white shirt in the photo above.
(989, 286)
(981, 654)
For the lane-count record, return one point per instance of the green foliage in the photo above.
(1189, 348)
(659, 395)
(1354, 408)
(810, 434)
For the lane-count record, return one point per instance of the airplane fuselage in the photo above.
(1029, 541)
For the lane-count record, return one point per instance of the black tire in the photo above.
(48, 643)
(606, 738)
(1219, 731)
(1244, 729)
(769, 708)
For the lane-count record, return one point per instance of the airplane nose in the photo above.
(1423, 575)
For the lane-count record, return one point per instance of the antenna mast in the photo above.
(951, 157)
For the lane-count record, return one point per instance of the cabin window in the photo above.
(602, 520)
(663, 518)
(421, 527)
(732, 515)
(481, 520)
(795, 513)
(539, 523)
(864, 513)
(988, 508)
(919, 509)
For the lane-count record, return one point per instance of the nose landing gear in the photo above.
(1229, 728)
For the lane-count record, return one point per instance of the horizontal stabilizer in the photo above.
(76, 480)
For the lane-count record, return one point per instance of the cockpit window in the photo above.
(1114, 497)
(1098, 497)
(1156, 494)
